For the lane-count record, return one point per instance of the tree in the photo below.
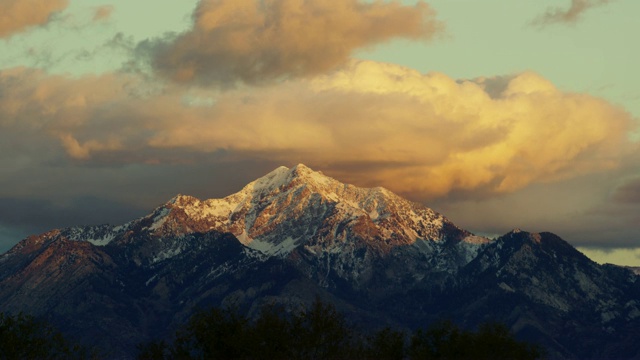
(271, 334)
(320, 332)
(444, 340)
(493, 339)
(25, 337)
(386, 344)
(213, 334)
(152, 350)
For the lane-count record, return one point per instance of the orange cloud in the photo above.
(421, 134)
(256, 41)
(103, 13)
(570, 15)
(76, 112)
(18, 15)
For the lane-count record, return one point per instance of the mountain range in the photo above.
(295, 235)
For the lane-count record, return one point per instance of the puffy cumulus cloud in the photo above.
(256, 41)
(570, 15)
(17, 15)
(455, 136)
(424, 135)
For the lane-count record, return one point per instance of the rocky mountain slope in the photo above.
(295, 234)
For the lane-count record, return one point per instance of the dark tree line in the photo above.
(320, 332)
(25, 337)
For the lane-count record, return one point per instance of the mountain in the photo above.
(296, 234)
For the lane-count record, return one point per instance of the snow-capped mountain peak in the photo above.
(284, 178)
(301, 232)
(297, 209)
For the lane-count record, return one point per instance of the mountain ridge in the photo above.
(295, 234)
(245, 214)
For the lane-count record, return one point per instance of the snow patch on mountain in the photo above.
(280, 250)
(168, 253)
(269, 182)
(159, 219)
(244, 238)
(296, 207)
(103, 240)
(98, 235)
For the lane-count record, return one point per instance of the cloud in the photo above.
(258, 41)
(578, 209)
(618, 256)
(423, 135)
(570, 15)
(44, 214)
(628, 193)
(103, 13)
(38, 197)
(23, 216)
(18, 15)
(9, 236)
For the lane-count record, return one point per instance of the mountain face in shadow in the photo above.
(294, 235)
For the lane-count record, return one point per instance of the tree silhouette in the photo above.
(385, 344)
(320, 332)
(25, 337)
(213, 334)
(444, 340)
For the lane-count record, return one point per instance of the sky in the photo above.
(500, 115)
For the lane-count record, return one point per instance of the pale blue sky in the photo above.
(597, 55)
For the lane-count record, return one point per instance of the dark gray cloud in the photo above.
(20, 217)
(10, 235)
(628, 192)
(35, 199)
(43, 214)
(569, 15)
(580, 210)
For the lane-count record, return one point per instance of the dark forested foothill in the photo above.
(320, 332)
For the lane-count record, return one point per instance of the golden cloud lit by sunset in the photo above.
(429, 126)
(19, 15)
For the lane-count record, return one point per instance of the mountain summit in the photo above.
(295, 234)
(300, 209)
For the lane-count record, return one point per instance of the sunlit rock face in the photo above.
(295, 234)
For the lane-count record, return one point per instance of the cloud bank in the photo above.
(570, 15)
(257, 41)
(18, 15)
(426, 135)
